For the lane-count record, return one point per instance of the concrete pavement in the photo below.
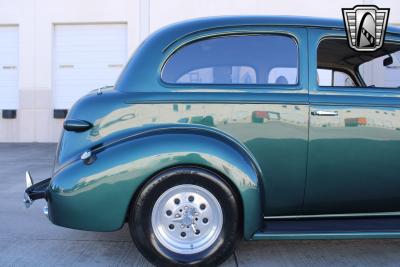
(27, 238)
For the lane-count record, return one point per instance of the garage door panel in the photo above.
(9, 67)
(86, 57)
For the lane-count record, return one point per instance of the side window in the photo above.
(383, 71)
(236, 59)
(333, 68)
(237, 75)
(329, 77)
(279, 75)
(338, 65)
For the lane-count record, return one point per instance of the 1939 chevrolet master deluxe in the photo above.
(235, 127)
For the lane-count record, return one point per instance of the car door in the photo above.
(354, 135)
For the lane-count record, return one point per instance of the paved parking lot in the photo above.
(27, 238)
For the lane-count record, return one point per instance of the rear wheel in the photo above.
(185, 216)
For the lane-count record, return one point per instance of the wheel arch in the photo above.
(249, 223)
(121, 169)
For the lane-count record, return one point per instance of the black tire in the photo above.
(141, 227)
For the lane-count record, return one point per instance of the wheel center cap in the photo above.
(188, 216)
(187, 220)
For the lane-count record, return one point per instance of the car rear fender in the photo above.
(95, 193)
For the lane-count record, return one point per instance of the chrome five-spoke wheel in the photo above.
(187, 219)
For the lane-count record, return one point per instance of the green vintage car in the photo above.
(231, 128)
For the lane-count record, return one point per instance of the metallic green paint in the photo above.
(266, 142)
(255, 136)
(284, 132)
(354, 157)
(97, 196)
(280, 134)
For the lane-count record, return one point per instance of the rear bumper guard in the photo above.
(35, 191)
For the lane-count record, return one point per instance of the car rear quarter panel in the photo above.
(270, 124)
(97, 196)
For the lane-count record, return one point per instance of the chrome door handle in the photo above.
(324, 113)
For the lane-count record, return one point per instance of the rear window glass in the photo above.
(246, 59)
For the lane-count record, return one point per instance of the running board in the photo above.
(385, 227)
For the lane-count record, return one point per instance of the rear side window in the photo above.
(239, 59)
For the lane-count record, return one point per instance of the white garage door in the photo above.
(8, 67)
(86, 57)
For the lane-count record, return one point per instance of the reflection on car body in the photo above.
(235, 127)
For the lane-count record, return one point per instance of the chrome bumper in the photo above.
(34, 191)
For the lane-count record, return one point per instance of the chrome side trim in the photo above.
(339, 215)
(322, 236)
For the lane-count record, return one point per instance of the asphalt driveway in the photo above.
(27, 238)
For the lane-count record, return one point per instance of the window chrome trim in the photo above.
(246, 32)
(338, 215)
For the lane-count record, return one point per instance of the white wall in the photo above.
(36, 20)
(159, 18)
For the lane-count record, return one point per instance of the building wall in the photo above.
(36, 19)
